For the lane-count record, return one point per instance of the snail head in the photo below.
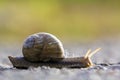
(87, 57)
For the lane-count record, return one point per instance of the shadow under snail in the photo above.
(44, 49)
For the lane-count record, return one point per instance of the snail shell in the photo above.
(42, 47)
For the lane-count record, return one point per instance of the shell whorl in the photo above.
(42, 47)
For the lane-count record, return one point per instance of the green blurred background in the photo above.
(69, 20)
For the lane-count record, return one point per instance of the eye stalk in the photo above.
(89, 54)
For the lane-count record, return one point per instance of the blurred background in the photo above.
(69, 20)
(79, 24)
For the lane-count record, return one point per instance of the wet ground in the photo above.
(107, 63)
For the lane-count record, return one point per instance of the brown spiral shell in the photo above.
(42, 47)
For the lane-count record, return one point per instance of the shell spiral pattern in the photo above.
(42, 47)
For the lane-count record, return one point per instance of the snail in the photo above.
(44, 49)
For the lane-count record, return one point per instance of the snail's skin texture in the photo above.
(41, 47)
(77, 62)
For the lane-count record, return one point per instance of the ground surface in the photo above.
(109, 70)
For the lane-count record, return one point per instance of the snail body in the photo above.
(44, 49)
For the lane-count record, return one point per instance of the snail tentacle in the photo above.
(91, 54)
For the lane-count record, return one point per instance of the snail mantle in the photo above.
(44, 49)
